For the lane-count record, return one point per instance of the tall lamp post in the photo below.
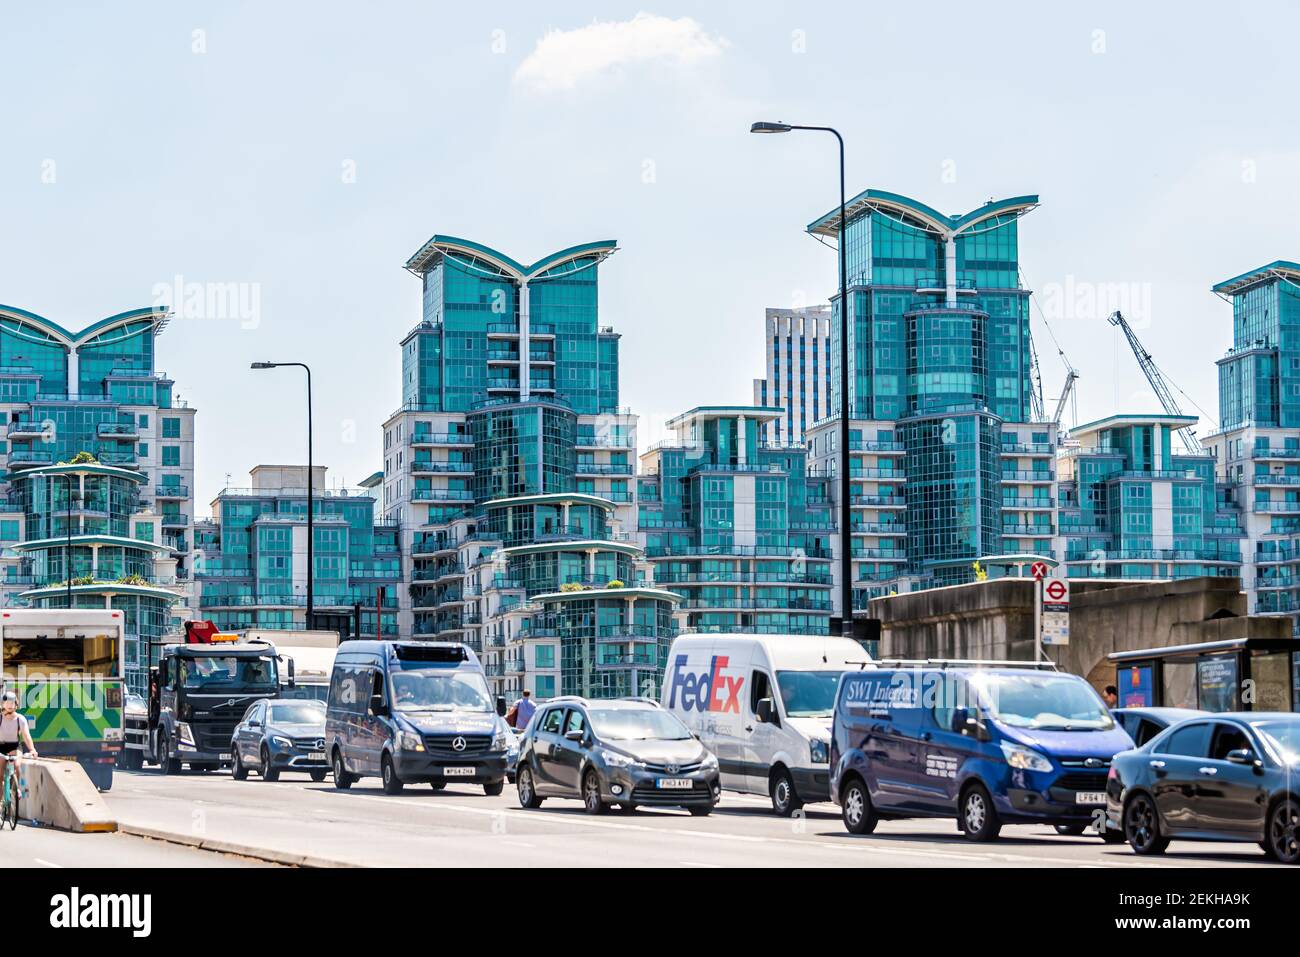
(846, 513)
(311, 567)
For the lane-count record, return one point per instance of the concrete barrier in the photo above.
(59, 794)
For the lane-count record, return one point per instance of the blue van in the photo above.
(991, 745)
(414, 711)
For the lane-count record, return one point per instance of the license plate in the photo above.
(224, 757)
(1090, 797)
(459, 772)
(316, 756)
(674, 784)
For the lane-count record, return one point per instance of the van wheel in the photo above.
(318, 775)
(268, 773)
(238, 770)
(591, 794)
(392, 783)
(1283, 836)
(978, 818)
(527, 792)
(1071, 830)
(785, 800)
(493, 788)
(856, 809)
(1142, 826)
(437, 785)
(342, 779)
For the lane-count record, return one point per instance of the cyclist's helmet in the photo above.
(9, 696)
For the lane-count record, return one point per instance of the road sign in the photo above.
(1038, 570)
(1057, 591)
(1056, 628)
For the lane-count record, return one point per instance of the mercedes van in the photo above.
(763, 705)
(990, 745)
(414, 711)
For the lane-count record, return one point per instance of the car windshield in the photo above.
(299, 712)
(1283, 737)
(808, 694)
(225, 671)
(636, 724)
(1046, 701)
(440, 690)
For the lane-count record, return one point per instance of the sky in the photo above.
(293, 155)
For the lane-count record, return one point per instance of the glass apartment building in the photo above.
(96, 445)
(1257, 446)
(950, 459)
(510, 469)
(251, 566)
(740, 528)
(1134, 506)
(798, 379)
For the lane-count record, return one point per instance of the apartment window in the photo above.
(171, 454)
(144, 421)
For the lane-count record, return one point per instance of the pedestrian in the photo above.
(1111, 696)
(524, 709)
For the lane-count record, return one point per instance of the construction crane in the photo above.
(1070, 377)
(1187, 433)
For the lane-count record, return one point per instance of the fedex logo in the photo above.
(706, 690)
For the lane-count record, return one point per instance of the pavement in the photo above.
(31, 846)
(461, 827)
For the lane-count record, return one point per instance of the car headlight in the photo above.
(499, 741)
(819, 751)
(614, 759)
(709, 763)
(280, 741)
(409, 741)
(1025, 759)
(184, 734)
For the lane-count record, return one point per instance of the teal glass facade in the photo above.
(742, 530)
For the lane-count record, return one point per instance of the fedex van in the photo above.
(763, 704)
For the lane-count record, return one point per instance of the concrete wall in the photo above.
(995, 619)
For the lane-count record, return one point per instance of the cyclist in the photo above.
(13, 733)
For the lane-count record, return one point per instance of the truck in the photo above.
(312, 653)
(67, 668)
(198, 692)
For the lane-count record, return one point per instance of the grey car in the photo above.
(282, 734)
(630, 752)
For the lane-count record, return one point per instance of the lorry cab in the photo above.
(988, 743)
(414, 711)
(197, 695)
(763, 704)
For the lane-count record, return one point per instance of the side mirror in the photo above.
(959, 718)
(292, 682)
(501, 706)
(765, 711)
(574, 735)
(1244, 756)
(254, 723)
(377, 706)
(965, 721)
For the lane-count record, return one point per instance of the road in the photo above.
(461, 827)
(44, 847)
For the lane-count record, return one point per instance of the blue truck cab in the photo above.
(990, 745)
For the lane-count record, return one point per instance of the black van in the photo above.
(414, 711)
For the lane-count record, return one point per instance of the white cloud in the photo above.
(565, 58)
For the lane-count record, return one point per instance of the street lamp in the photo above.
(846, 513)
(311, 568)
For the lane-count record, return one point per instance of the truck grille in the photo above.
(1081, 781)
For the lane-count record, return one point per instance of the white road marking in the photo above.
(44, 863)
(696, 864)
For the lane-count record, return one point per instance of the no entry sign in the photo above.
(1038, 570)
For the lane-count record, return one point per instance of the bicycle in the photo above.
(10, 795)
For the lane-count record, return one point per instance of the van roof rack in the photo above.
(963, 663)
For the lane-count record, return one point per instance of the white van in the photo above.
(763, 704)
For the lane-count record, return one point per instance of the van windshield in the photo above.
(1045, 701)
(440, 690)
(808, 694)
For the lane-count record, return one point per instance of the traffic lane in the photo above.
(45, 847)
(364, 825)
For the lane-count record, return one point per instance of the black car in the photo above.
(1225, 777)
(283, 734)
(626, 752)
(1143, 724)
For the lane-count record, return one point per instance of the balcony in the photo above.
(1033, 531)
(1275, 479)
(879, 501)
(29, 429)
(879, 528)
(420, 437)
(589, 441)
(1033, 476)
(1028, 503)
(118, 430)
(880, 475)
(441, 495)
(171, 491)
(603, 468)
(867, 445)
(30, 457)
(429, 467)
(1269, 507)
(172, 520)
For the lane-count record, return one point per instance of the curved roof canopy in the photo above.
(918, 214)
(1278, 269)
(157, 314)
(439, 245)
